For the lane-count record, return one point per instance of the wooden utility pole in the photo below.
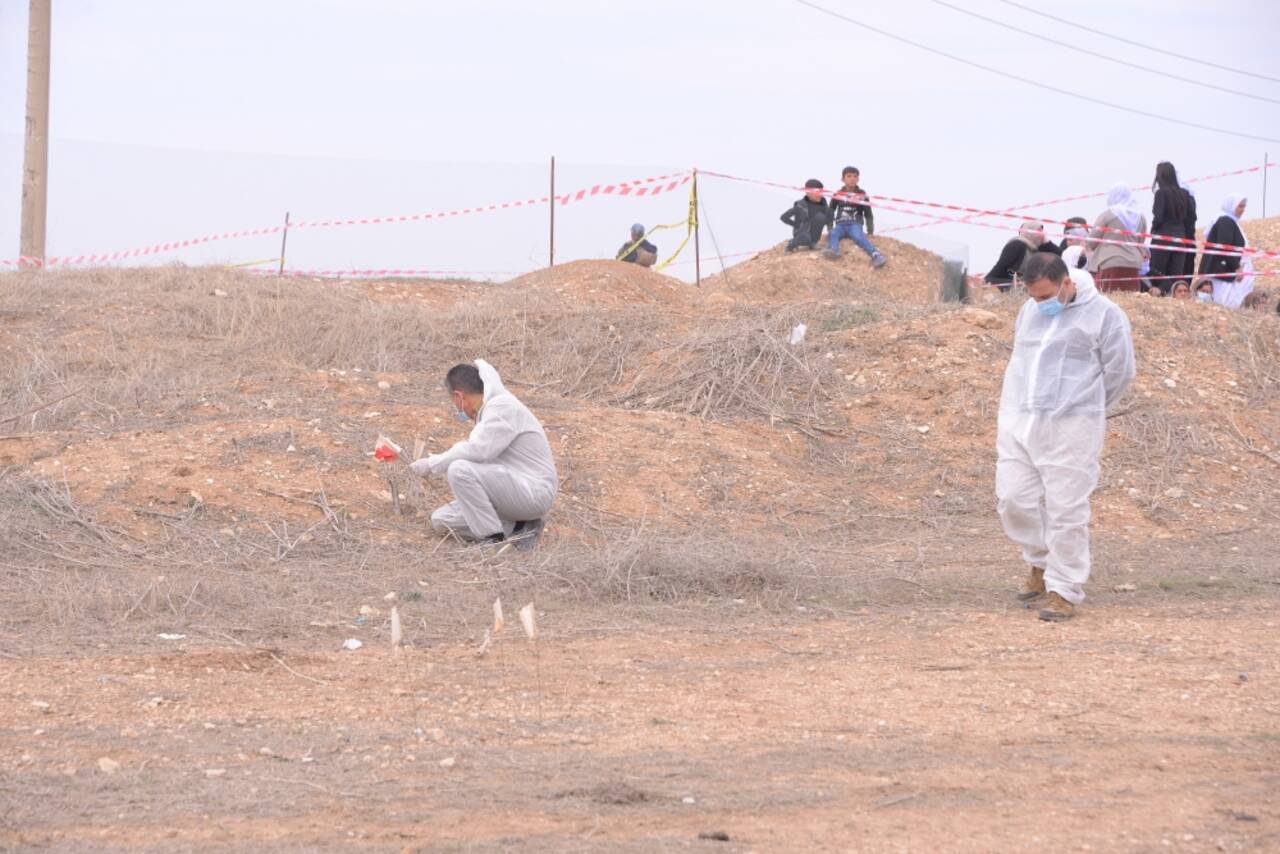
(35, 158)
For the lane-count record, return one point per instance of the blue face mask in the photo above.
(459, 415)
(1204, 297)
(1051, 307)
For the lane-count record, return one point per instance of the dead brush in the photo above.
(1250, 347)
(636, 564)
(743, 367)
(1158, 445)
(147, 342)
(574, 354)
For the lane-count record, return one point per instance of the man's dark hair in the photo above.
(850, 170)
(813, 184)
(1078, 220)
(1044, 265)
(464, 378)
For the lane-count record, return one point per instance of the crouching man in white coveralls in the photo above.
(503, 476)
(1072, 359)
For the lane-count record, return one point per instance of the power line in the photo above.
(1101, 55)
(1124, 40)
(1028, 80)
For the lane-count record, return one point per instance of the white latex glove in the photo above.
(421, 467)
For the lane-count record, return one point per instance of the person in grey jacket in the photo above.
(1116, 246)
(503, 476)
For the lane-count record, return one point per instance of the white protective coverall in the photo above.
(503, 473)
(1064, 373)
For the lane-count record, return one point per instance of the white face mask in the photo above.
(1204, 297)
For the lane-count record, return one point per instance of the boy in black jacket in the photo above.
(853, 218)
(807, 217)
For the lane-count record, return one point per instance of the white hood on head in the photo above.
(1086, 288)
(489, 376)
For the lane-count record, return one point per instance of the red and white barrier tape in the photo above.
(1047, 202)
(1192, 249)
(1166, 242)
(642, 187)
(1192, 280)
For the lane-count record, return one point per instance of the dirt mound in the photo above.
(194, 419)
(912, 275)
(1191, 450)
(435, 294)
(1265, 234)
(600, 284)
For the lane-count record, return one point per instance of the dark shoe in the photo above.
(525, 536)
(492, 547)
(1056, 609)
(878, 261)
(830, 253)
(489, 543)
(1033, 588)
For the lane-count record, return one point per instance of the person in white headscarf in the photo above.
(1072, 359)
(503, 475)
(1116, 252)
(1232, 272)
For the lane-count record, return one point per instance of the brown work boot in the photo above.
(1034, 587)
(1055, 609)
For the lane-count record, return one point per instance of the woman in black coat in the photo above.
(1231, 274)
(1173, 214)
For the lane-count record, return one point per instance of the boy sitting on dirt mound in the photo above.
(807, 217)
(503, 476)
(851, 213)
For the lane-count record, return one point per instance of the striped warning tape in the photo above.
(641, 187)
(1047, 202)
(1165, 241)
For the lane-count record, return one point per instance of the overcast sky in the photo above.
(174, 119)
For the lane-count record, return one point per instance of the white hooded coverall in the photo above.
(1064, 373)
(503, 473)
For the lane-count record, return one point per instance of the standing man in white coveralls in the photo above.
(503, 476)
(1072, 359)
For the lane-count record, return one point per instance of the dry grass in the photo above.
(192, 345)
(165, 340)
(1247, 343)
(69, 579)
(742, 367)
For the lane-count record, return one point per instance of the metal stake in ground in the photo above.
(284, 241)
(551, 251)
(697, 246)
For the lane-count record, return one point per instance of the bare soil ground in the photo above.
(774, 602)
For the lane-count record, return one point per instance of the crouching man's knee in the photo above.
(462, 472)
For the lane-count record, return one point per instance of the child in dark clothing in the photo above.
(853, 219)
(807, 217)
